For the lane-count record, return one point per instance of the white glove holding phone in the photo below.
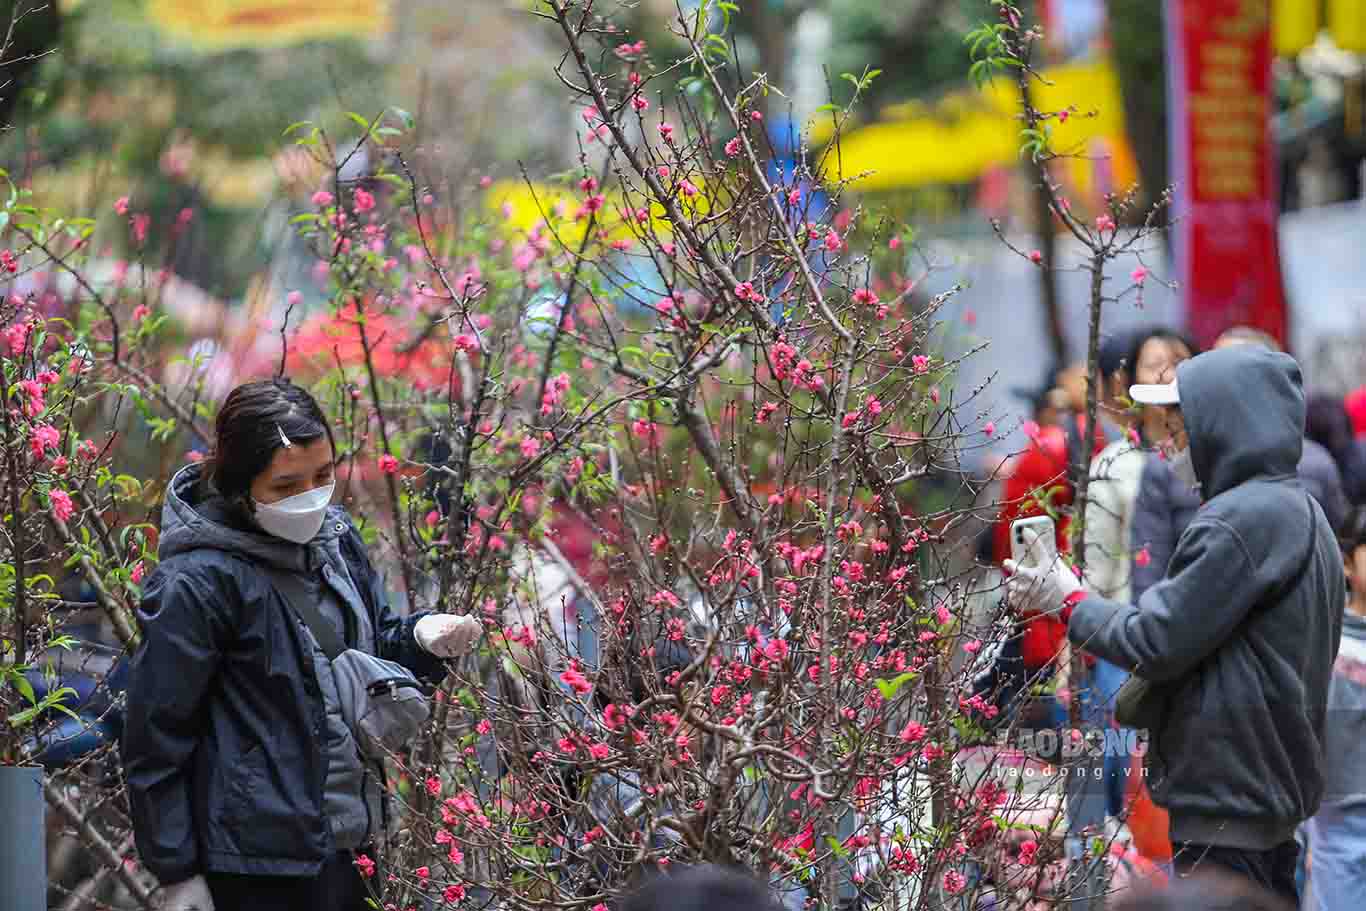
(187, 895)
(1039, 579)
(447, 635)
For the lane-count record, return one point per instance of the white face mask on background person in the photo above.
(1183, 468)
(295, 518)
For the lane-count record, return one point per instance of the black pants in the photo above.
(1273, 870)
(337, 887)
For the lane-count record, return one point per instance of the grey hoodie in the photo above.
(1165, 506)
(1243, 645)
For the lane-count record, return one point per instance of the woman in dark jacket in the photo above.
(1328, 424)
(246, 786)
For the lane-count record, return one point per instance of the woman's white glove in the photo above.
(447, 635)
(187, 895)
(1033, 590)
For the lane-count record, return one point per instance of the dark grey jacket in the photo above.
(1165, 507)
(225, 747)
(1321, 477)
(1244, 646)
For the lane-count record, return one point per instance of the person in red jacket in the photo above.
(1355, 403)
(1037, 482)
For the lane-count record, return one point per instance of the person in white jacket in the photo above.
(1146, 355)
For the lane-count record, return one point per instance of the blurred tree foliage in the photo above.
(1138, 45)
(186, 128)
(33, 28)
(918, 44)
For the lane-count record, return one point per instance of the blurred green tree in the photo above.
(121, 108)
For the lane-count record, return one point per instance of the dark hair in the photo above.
(1352, 534)
(248, 433)
(702, 888)
(1115, 348)
(1327, 423)
(1162, 333)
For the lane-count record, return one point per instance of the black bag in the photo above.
(1142, 704)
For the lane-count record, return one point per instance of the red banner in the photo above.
(1224, 165)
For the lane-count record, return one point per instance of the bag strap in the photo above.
(1288, 586)
(304, 603)
(1291, 581)
(1305, 563)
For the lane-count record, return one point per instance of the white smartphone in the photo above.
(1023, 535)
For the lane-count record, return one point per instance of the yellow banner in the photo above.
(1347, 20)
(521, 209)
(234, 23)
(956, 140)
(1294, 25)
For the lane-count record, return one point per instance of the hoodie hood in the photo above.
(195, 517)
(1244, 412)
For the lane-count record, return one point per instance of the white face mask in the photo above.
(296, 518)
(1184, 469)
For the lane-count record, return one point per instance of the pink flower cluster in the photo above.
(554, 393)
(647, 432)
(745, 292)
(574, 679)
(62, 507)
(41, 438)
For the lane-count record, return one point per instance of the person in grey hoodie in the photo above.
(1238, 640)
(1165, 505)
(245, 784)
(1336, 835)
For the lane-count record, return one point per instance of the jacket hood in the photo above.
(1244, 412)
(196, 517)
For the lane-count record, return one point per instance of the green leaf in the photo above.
(404, 117)
(839, 849)
(19, 719)
(889, 688)
(21, 683)
(726, 10)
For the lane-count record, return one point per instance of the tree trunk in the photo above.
(773, 20)
(1139, 48)
(1048, 273)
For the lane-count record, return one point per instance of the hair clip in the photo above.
(283, 439)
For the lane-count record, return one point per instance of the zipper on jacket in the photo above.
(391, 684)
